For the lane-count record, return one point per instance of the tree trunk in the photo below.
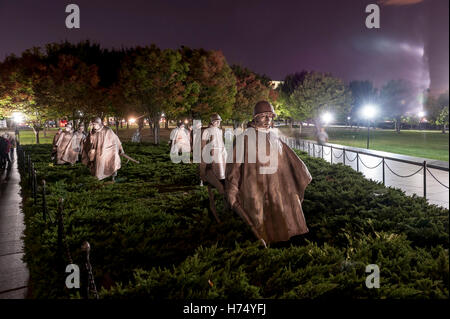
(397, 124)
(443, 128)
(156, 130)
(166, 123)
(121, 124)
(45, 130)
(291, 122)
(36, 133)
(140, 124)
(128, 125)
(117, 126)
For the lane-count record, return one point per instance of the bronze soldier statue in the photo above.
(212, 171)
(268, 198)
(55, 139)
(101, 151)
(75, 146)
(62, 142)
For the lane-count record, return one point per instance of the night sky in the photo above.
(273, 37)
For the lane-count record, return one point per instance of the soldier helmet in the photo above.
(97, 120)
(179, 123)
(262, 107)
(215, 117)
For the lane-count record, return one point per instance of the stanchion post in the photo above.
(357, 162)
(322, 151)
(44, 202)
(331, 154)
(384, 179)
(425, 179)
(314, 150)
(343, 155)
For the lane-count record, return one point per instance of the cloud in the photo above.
(398, 2)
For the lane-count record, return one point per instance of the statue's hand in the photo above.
(91, 155)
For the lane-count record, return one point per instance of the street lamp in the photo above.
(327, 117)
(369, 111)
(421, 116)
(18, 118)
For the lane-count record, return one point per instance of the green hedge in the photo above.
(152, 236)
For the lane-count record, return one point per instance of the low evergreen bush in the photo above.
(153, 236)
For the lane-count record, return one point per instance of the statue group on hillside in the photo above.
(99, 150)
(265, 190)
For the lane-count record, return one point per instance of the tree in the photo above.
(397, 97)
(250, 88)
(443, 119)
(363, 93)
(154, 81)
(317, 93)
(22, 78)
(214, 82)
(284, 104)
(71, 86)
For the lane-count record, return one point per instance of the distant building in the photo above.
(276, 83)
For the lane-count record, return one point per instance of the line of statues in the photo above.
(267, 197)
(99, 150)
(266, 190)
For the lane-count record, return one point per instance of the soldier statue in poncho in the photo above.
(101, 151)
(74, 148)
(62, 143)
(214, 157)
(267, 190)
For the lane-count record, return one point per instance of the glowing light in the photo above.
(421, 114)
(369, 111)
(348, 117)
(327, 117)
(132, 120)
(18, 117)
(186, 121)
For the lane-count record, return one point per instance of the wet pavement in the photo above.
(436, 182)
(14, 274)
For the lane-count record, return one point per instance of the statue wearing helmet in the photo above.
(101, 151)
(268, 198)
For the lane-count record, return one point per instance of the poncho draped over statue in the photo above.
(271, 203)
(73, 148)
(101, 152)
(61, 145)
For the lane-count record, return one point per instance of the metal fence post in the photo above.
(44, 202)
(322, 151)
(384, 179)
(34, 185)
(314, 150)
(425, 179)
(331, 154)
(343, 155)
(357, 162)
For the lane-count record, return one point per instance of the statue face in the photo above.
(264, 120)
(68, 128)
(96, 126)
(215, 123)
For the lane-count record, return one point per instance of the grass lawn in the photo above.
(427, 144)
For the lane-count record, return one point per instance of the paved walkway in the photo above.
(13, 272)
(436, 193)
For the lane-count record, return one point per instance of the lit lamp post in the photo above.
(327, 117)
(368, 112)
(421, 115)
(18, 118)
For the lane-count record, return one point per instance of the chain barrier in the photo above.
(405, 176)
(350, 159)
(436, 178)
(368, 166)
(326, 154)
(338, 157)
